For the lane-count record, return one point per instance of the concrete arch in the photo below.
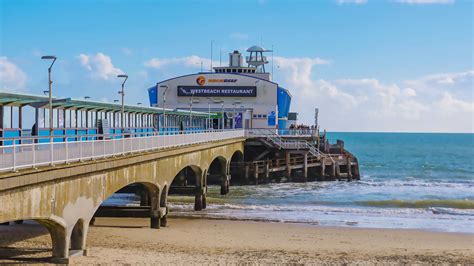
(186, 174)
(236, 168)
(59, 239)
(164, 205)
(153, 191)
(190, 180)
(60, 196)
(78, 235)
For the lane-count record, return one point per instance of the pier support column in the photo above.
(267, 171)
(154, 210)
(247, 173)
(198, 199)
(164, 218)
(333, 171)
(79, 237)
(349, 169)
(337, 168)
(323, 167)
(305, 167)
(164, 206)
(256, 174)
(60, 241)
(288, 165)
(225, 183)
(155, 220)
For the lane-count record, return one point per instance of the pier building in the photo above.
(243, 95)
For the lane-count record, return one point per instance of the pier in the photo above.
(61, 180)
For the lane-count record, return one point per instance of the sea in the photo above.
(408, 181)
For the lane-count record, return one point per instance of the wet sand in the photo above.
(201, 241)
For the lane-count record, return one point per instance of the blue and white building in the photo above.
(243, 96)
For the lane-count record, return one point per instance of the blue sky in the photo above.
(401, 65)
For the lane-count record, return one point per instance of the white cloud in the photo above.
(239, 36)
(12, 78)
(358, 2)
(451, 105)
(100, 66)
(434, 103)
(425, 2)
(192, 61)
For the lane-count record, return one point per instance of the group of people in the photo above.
(301, 129)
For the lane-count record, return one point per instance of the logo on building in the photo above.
(201, 80)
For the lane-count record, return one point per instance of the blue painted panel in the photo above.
(11, 134)
(71, 133)
(60, 133)
(43, 132)
(284, 102)
(91, 132)
(153, 95)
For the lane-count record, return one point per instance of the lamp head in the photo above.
(122, 76)
(48, 57)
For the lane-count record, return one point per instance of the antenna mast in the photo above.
(212, 44)
(272, 61)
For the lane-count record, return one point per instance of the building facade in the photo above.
(241, 96)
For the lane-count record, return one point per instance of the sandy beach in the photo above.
(201, 241)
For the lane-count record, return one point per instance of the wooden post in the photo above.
(349, 169)
(305, 167)
(267, 171)
(247, 172)
(337, 168)
(198, 199)
(323, 167)
(256, 174)
(288, 164)
(333, 173)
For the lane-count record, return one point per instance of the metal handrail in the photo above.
(30, 155)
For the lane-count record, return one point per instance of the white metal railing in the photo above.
(34, 153)
(263, 132)
(275, 136)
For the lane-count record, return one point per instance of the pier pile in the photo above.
(293, 157)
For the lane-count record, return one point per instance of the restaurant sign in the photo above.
(217, 91)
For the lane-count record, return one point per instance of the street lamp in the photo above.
(50, 57)
(209, 112)
(191, 110)
(123, 104)
(165, 89)
(222, 107)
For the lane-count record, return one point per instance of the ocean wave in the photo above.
(456, 204)
(451, 211)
